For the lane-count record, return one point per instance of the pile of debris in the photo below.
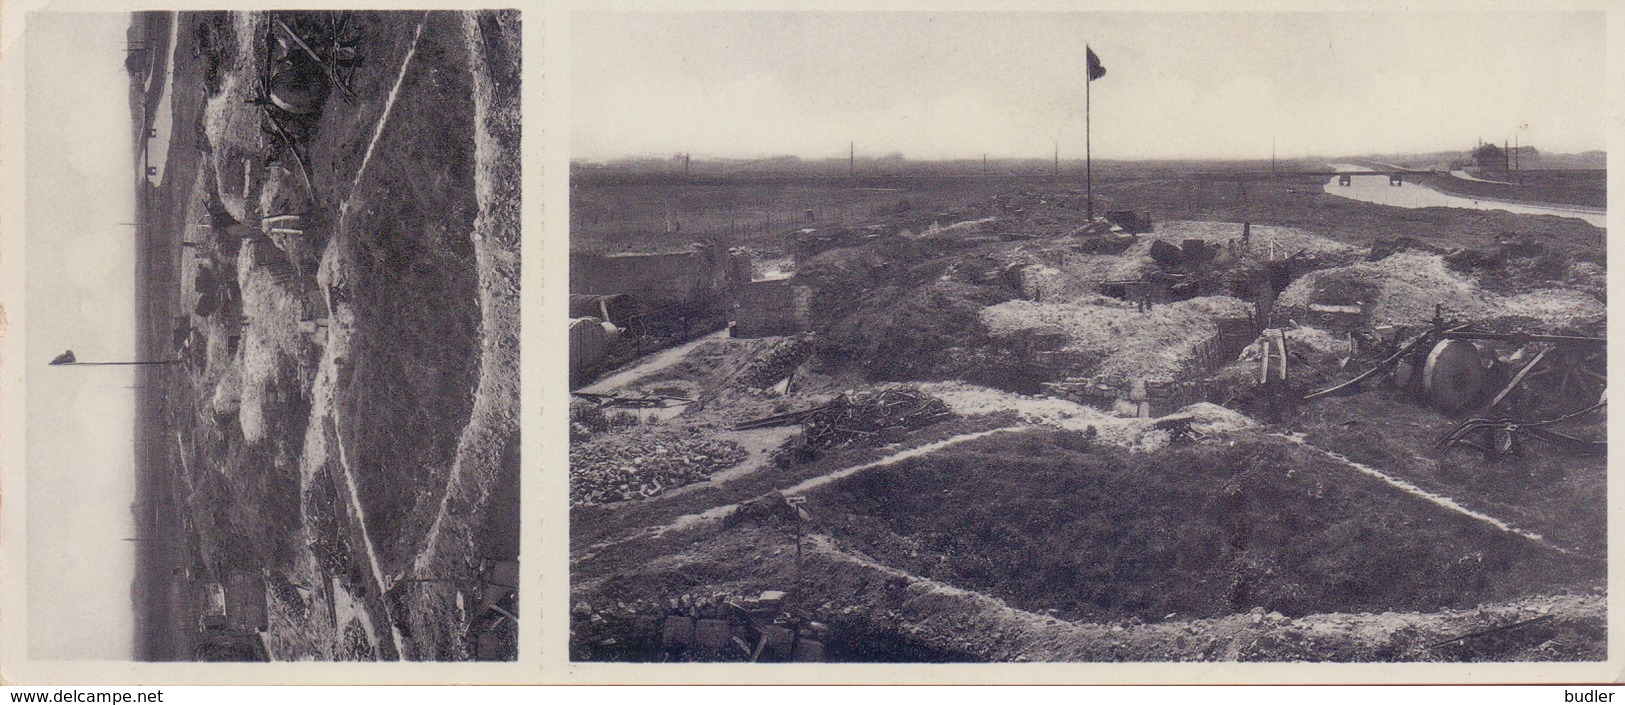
(1399, 289)
(617, 468)
(864, 416)
(588, 419)
(777, 362)
(1116, 340)
(715, 627)
(1404, 287)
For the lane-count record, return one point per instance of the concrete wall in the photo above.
(656, 279)
(772, 307)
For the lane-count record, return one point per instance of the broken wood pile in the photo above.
(626, 467)
(777, 363)
(633, 400)
(862, 416)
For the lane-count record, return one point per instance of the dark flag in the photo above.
(64, 359)
(1095, 69)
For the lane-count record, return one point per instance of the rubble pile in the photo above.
(622, 467)
(859, 416)
(1405, 286)
(699, 626)
(1156, 345)
(1555, 310)
(777, 362)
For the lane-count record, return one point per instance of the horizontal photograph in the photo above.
(871, 362)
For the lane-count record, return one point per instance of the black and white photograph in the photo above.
(917, 335)
(268, 337)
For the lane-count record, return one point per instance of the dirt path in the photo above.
(1436, 499)
(969, 625)
(758, 444)
(1464, 176)
(718, 513)
(325, 440)
(324, 411)
(648, 365)
(927, 449)
(374, 567)
(383, 118)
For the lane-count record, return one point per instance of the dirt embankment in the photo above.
(1586, 188)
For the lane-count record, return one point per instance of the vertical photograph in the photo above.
(871, 361)
(271, 312)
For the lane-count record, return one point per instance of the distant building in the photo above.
(1490, 158)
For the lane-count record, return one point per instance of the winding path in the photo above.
(718, 513)
(648, 364)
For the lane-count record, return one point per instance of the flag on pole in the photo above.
(1095, 69)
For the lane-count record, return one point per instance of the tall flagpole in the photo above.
(141, 362)
(1088, 156)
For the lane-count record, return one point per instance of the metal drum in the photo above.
(300, 89)
(1456, 374)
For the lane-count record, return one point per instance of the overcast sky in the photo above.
(958, 84)
(79, 295)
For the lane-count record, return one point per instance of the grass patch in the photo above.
(416, 348)
(1046, 522)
